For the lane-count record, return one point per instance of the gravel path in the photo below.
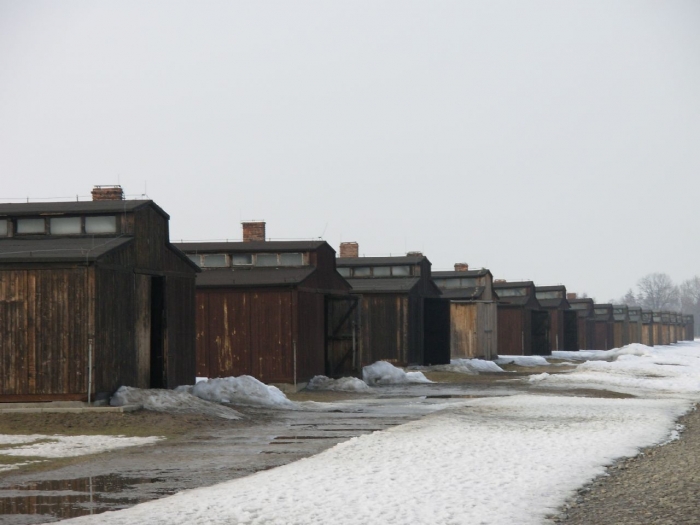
(660, 486)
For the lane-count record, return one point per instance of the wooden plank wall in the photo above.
(384, 321)
(44, 322)
(474, 330)
(511, 331)
(180, 330)
(311, 340)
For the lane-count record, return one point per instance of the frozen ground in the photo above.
(498, 460)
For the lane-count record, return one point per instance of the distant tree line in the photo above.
(657, 291)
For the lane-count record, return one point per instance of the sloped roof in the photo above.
(472, 293)
(254, 277)
(453, 273)
(51, 208)
(247, 247)
(389, 285)
(379, 261)
(62, 249)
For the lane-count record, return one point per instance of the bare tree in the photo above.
(657, 292)
(630, 299)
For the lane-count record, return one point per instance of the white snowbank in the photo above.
(173, 401)
(466, 366)
(479, 365)
(636, 369)
(68, 446)
(508, 460)
(242, 390)
(384, 373)
(522, 360)
(605, 355)
(344, 384)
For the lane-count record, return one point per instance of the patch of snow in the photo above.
(344, 384)
(15, 466)
(175, 401)
(637, 369)
(242, 390)
(518, 448)
(466, 366)
(384, 373)
(58, 446)
(522, 360)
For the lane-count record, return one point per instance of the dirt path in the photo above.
(661, 486)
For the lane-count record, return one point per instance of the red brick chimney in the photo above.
(107, 193)
(461, 267)
(253, 231)
(349, 249)
(571, 295)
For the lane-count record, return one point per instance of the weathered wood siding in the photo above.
(648, 334)
(385, 328)
(513, 328)
(180, 311)
(473, 330)
(45, 320)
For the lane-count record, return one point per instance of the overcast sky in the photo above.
(553, 141)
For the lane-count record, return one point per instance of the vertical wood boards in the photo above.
(473, 330)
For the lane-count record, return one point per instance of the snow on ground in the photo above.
(522, 360)
(497, 460)
(384, 373)
(57, 446)
(635, 369)
(242, 390)
(174, 401)
(344, 384)
(465, 366)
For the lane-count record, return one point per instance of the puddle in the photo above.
(69, 498)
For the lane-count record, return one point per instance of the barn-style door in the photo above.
(342, 336)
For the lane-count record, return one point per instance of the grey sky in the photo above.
(553, 141)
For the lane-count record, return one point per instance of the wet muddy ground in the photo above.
(201, 450)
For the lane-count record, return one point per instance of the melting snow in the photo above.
(243, 390)
(344, 384)
(67, 446)
(384, 373)
(522, 360)
(174, 401)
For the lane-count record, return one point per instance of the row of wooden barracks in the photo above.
(94, 295)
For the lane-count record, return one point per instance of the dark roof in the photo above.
(582, 300)
(389, 285)
(257, 246)
(558, 302)
(59, 249)
(513, 284)
(555, 288)
(472, 293)
(518, 300)
(602, 305)
(378, 261)
(50, 208)
(470, 273)
(254, 277)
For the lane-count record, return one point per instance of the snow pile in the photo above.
(384, 373)
(522, 360)
(242, 390)
(636, 369)
(37, 445)
(172, 401)
(527, 455)
(479, 365)
(604, 355)
(344, 384)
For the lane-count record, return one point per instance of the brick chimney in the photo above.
(107, 193)
(414, 254)
(571, 295)
(499, 280)
(461, 267)
(253, 231)
(349, 249)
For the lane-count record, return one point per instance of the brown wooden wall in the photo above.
(648, 334)
(474, 330)
(385, 329)
(44, 323)
(634, 332)
(513, 331)
(604, 335)
(254, 332)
